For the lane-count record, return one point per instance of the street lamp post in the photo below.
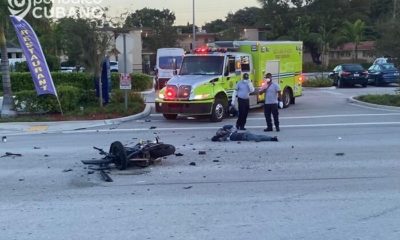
(194, 29)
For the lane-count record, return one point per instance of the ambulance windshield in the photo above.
(202, 65)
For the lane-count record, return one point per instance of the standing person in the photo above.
(272, 102)
(243, 89)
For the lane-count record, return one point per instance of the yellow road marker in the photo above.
(37, 128)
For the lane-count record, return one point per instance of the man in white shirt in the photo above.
(243, 89)
(272, 102)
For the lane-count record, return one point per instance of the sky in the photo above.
(205, 10)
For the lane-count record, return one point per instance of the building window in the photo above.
(9, 55)
(367, 54)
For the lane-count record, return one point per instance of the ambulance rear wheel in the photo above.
(287, 97)
(170, 116)
(218, 110)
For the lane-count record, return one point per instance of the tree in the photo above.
(164, 34)
(387, 44)
(8, 108)
(277, 15)
(86, 44)
(215, 26)
(324, 39)
(353, 32)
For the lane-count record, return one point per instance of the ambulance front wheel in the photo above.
(170, 116)
(219, 110)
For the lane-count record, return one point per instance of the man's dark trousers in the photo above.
(244, 105)
(271, 109)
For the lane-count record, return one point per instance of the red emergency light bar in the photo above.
(205, 50)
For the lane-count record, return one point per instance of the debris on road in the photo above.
(215, 160)
(153, 127)
(202, 152)
(9, 154)
(188, 187)
(339, 154)
(105, 176)
(192, 164)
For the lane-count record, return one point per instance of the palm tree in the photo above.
(325, 38)
(7, 109)
(354, 32)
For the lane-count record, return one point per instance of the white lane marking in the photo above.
(343, 115)
(249, 127)
(311, 117)
(333, 93)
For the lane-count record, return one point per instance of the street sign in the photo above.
(125, 81)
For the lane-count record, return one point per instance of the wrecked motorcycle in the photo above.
(142, 154)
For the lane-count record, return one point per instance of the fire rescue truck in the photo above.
(208, 77)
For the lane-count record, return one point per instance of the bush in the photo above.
(21, 81)
(69, 96)
(21, 67)
(385, 99)
(318, 82)
(118, 96)
(28, 101)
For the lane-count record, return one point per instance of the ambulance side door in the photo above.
(230, 76)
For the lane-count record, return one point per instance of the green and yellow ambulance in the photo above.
(208, 76)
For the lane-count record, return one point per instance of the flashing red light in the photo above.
(203, 50)
(170, 92)
(301, 78)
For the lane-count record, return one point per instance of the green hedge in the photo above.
(84, 81)
(70, 98)
(318, 82)
(381, 99)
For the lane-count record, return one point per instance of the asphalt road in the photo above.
(334, 174)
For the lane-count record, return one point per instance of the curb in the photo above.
(146, 112)
(353, 100)
(323, 88)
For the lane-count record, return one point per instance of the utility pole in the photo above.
(194, 29)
